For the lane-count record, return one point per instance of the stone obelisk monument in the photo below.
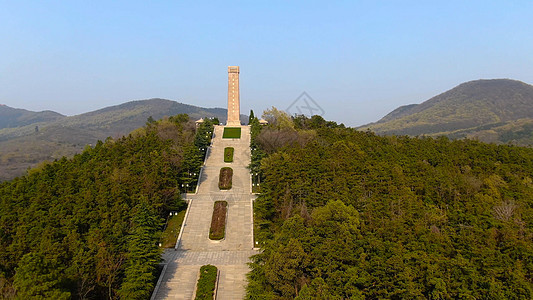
(234, 110)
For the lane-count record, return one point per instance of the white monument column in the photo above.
(234, 110)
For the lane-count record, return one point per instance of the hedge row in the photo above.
(205, 288)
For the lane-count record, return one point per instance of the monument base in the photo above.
(233, 123)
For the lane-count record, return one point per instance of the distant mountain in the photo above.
(29, 138)
(121, 119)
(497, 110)
(14, 117)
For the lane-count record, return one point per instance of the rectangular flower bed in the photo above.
(205, 287)
(228, 154)
(225, 177)
(218, 221)
(232, 133)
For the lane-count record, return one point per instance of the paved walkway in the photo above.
(196, 249)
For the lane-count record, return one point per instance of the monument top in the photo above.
(233, 69)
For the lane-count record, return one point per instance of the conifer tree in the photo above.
(143, 256)
(38, 278)
(251, 117)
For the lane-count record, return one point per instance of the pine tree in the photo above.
(143, 256)
(251, 117)
(37, 278)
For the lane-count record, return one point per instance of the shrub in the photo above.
(224, 180)
(218, 221)
(205, 287)
(228, 154)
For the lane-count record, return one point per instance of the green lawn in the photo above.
(228, 154)
(170, 235)
(256, 189)
(232, 133)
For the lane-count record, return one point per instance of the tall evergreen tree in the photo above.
(251, 117)
(143, 255)
(39, 278)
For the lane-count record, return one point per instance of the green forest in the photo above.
(88, 227)
(347, 214)
(341, 214)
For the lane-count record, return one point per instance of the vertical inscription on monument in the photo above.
(234, 111)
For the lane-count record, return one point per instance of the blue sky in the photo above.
(357, 59)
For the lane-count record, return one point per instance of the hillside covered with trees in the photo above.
(493, 111)
(46, 136)
(347, 214)
(342, 214)
(14, 117)
(87, 227)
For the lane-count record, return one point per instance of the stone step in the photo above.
(232, 253)
(238, 224)
(180, 283)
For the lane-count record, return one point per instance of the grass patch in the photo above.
(228, 154)
(256, 189)
(205, 288)
(171, 232)
(224, 180)
(232, 133)
(218, 221)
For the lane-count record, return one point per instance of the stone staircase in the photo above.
(229, 255)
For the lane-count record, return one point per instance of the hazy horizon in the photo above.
(358, 61)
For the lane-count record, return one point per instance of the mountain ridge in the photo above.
(14, 117)
(471, 109)
(29, 144)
